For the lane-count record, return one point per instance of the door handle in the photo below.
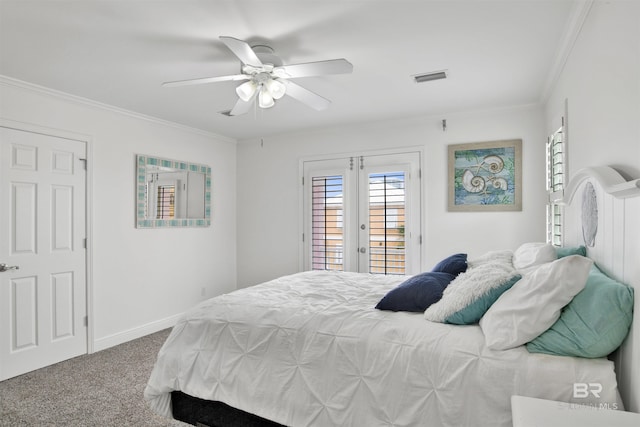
(5, 267)
(363, 250)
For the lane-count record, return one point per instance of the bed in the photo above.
(311, 349)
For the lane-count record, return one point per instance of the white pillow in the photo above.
(533, 304)
(533, 254)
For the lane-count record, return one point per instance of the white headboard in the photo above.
(615, 248)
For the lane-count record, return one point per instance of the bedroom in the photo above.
(155, 275)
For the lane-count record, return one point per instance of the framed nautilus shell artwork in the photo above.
(485, 176)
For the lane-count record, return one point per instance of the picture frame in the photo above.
(485, 176)
(172, 193)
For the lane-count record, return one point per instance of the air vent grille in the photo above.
(427, 77)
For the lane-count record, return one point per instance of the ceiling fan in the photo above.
(268, 80)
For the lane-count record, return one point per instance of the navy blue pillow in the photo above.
(416, 293)
(455, 264)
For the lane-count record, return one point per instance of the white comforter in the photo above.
(310, 349)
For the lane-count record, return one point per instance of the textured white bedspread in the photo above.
(310, 349)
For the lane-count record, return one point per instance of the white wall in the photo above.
(142, 278)
(268, 187)
(601, 83)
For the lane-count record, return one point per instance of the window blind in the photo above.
(387, 197)
(556, 168)
(554, 224)
(327, 226)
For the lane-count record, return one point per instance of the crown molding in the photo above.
(574, 24)
(10, 81)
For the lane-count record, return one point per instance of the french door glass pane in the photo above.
(387, 197)
(166, 205)
(327, 226)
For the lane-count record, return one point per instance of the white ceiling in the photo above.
(499, 54)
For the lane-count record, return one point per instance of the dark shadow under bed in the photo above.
(200, 412)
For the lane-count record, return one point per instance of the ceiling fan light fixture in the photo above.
(276, 88)
(265, 100)
(247, 90)
(267, 79)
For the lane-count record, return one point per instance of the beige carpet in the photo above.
(100, 389)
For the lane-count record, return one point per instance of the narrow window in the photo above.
(327, 223)
(556, 169)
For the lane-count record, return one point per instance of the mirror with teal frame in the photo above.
(172, 193)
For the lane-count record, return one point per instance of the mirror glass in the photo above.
(172, 193)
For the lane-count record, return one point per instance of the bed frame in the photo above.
(615, 249)
(599, 201)
(207, 413)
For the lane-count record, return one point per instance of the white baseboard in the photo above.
(134, 333)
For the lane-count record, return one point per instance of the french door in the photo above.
(362, 213)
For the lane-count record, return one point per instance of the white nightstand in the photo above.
(532, 412)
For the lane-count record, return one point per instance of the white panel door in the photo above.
(42, 251)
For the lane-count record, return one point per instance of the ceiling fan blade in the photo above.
(307, 97)
(235, 77)
(320, 68)
(242, 50)
(243, 107)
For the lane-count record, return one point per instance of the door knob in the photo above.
(363, 250)
(5, 267)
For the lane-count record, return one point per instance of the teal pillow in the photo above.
(475, 310)
(593, 324)
(574, 250)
